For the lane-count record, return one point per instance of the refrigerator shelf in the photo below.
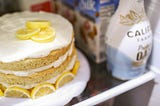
(108, 94)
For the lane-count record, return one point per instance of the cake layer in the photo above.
(3, 86)
(33, 63)
(55, 64)
(36, 78)
(13, 49)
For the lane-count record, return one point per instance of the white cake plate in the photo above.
(61, 96)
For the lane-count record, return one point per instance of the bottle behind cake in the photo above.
(128, 40)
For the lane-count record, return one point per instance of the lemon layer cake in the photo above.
(37, 54)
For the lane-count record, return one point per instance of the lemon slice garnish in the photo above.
(46, 35)
(1, 93)
(38, 31)
(41, 90)
(25, 34)
(17, 92)
(76, 67)
(64, 79)
(3, 88)
(37, 24)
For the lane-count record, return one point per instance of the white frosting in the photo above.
(13, 49)
(63, 58)
(70, 66)
(55, 64)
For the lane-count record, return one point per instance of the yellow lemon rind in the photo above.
(76, 67)
(12, 90)
(20, 34)
(1, 93)
(40, 86)
(60, 78)
(38, 24)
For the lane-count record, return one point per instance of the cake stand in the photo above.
(61, 96)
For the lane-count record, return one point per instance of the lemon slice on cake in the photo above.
(37, 24)
(3, 88)
(46, 35)
(37, 30)
(64, 79)
(17, 92)
(41, 90)
(25, 34)
(76, 67)
(1, 93)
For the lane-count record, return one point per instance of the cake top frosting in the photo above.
(13, 49)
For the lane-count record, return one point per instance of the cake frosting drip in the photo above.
(13, 49)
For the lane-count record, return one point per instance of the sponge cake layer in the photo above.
(32, 63)
(36, 78)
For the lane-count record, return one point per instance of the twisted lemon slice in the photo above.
(41, 90)
(17, 92)
(64, 79)
(3, 88)
(25, 34)
(76, 67)
(37, 24)
(1, 93)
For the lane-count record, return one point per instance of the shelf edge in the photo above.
(106, 95)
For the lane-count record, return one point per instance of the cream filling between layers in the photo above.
(55, 64)
(68, 68)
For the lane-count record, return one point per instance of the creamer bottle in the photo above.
(128, 40)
